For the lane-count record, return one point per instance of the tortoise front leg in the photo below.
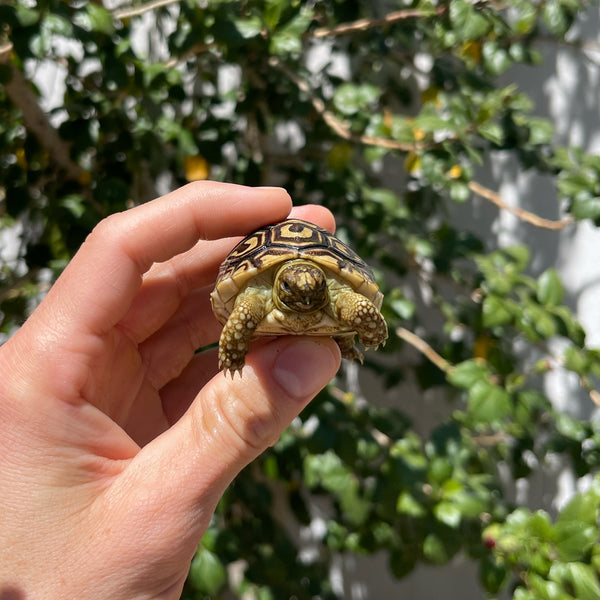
(347, 347)
(234, 343)
(361, 315)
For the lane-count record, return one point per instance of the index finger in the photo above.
(100, 282)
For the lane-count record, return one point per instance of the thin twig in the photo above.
(424, 348)
(5, 50)
(193, 52)
(492, 439)
(135, 11)
(520, 213)
(335, 124)
(364, 24)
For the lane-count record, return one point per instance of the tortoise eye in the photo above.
(286, 287)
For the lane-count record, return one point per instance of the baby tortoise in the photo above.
(294, 278)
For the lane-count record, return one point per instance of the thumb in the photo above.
(183, 473)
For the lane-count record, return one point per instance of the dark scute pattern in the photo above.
(290, 239)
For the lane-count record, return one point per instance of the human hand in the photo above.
(116, 439)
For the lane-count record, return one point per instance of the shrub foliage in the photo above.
(386, 113)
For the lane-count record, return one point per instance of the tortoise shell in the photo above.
(292, 239)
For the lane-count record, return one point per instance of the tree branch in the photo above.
(137, 10)
(424, 348)
(336, 125)
(19, 91)
(365, 24)
(520, 213)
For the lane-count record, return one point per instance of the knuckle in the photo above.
(107, 227)
(243, 423)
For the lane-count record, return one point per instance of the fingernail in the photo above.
(304, 367)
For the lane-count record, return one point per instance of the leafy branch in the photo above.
(335, 124)
(366, 24)
(342, 130)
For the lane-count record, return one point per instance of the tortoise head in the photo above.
(300, 286)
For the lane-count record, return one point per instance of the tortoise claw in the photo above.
(231, 371)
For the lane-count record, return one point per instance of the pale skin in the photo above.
(116, 439)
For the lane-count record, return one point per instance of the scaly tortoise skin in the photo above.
(294, 278)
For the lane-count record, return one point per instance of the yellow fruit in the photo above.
(412, 162)
(455, 172)
(196, 168)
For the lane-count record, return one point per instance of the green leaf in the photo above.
(571, 429)
(527, 16)
(520, 255)
(574, 539)
(440, 469)
(25, 15)
(356, 508)
(350, 99)
(540, 526)
(434, 550)
(550, 290)
(585, 581)
(582, 508)
(404, 308)
(207, 574)
(447, 513)
(288, 39)
(544, 589)
(388, 199)
(467, 20)
(272, 12)
(299, 23)
(577, 360)
(537, 322)
(492, 131)
(541, 131)
(407, 505)
(488, 402)
(576, 528)
(585, 205)
(555, 17)
(430, 121)
(329, 471)
(574, 330)
(75, 204)
(459, 192)
(496, 311)
(523, 594)
(466, 374)
(95, 18)
(493, 574)
(496, 59)
(249, 28)
(285, 43)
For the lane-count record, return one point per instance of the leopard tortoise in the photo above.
(294, 278)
